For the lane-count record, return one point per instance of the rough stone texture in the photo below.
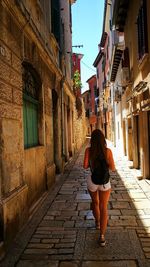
(79, 129)
(11, 160)
(34, 171)
(10, 111)
(116, 248)
(69, 264)
(29, 263)
(50, 170)
(119, 263)
(15, 211)
(6, 92)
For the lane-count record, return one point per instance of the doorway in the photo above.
(55, 129)
(129, 149)
(138, 142)
(124, 138)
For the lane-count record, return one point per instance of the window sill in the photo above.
(143, 61)
(34, 147)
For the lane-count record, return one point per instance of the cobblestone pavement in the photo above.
(62, 233)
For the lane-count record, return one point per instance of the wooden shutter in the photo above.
(142, 30)
(30, 114)
(31, 87)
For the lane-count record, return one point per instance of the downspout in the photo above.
(62, 122)
(114, 117)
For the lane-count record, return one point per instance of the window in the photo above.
(103, 62)
(87, 113)
(31, 86)
(95, 91)
(88, 98)
(95, 109)
(97, 70)
(55, 16)
(142, 30)
(108, 50)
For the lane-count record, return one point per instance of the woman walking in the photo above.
(99, 193)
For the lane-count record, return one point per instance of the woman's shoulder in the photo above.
(109, 152)
(108, 149)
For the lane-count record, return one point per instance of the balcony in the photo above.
(120, 9)
(118, 48)
(118, 40)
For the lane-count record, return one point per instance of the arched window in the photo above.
(31, 87)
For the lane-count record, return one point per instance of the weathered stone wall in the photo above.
(10, 105)
(13, 193)
(25, 173)
(80, 129)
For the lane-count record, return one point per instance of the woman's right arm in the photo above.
(86, 159)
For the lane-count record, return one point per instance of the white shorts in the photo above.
(94, 187)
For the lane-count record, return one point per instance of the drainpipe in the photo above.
(114, 117)
(62, 122)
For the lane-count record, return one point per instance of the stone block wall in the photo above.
(24, 173)
(80, 129)
(10, 105)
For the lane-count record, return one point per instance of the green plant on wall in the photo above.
(77, 85)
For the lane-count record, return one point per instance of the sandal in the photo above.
(102, 241)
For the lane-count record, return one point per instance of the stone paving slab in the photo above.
(122, 263)
(62, 232)
(119, 246)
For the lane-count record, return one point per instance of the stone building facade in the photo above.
(131, 71)
(37, 105)
(86, 101)
(93, 96)
(127, 25)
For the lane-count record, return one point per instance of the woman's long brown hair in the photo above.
(98, 146)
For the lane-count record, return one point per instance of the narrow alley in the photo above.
(61, 232)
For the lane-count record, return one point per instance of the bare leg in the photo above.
(95, 206)
(103, 201)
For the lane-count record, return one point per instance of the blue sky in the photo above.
(87, 23)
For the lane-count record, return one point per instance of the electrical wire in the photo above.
(88, 66)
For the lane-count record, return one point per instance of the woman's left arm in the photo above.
(111, 160)
(86, 159)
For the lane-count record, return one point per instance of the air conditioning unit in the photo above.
(125, 76)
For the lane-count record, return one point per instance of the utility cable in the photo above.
(88, 66)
